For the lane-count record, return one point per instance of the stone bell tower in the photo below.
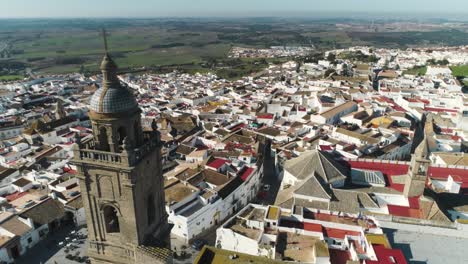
(120, 176)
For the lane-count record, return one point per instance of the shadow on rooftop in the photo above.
(404, 247)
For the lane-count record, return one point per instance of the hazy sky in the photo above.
(158, 8)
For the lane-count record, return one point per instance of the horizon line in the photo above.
(276, 14)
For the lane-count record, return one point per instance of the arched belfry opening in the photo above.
(121, 134)
(111, 219)
(103, 139)
(151, 210)
(136, 131)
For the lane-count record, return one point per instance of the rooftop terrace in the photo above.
(239, 226)
(300, 248)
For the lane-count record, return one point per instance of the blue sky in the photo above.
(158, 8)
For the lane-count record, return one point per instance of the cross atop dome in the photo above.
(104, 36)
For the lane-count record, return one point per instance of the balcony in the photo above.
(88, 152)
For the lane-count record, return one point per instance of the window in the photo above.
(29, 240)
(136, 130)
(121, 134)
(111, 220)
(104, 145)
(150, 209)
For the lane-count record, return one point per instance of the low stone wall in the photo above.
(424, 226)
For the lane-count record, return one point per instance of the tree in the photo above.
(331, 57)
(329, 72)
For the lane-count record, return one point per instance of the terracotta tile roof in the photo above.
(45, 212)
(217, 163)
(15, 226)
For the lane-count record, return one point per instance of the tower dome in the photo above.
(113, 100)
(112, 97)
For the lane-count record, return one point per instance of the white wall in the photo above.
(80, 217)
(230, 240)
(188, 227)
(392, 199)
(4, 257)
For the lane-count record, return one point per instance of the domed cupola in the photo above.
(112, 97)
(114, 112)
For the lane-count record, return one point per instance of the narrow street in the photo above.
(270, 178)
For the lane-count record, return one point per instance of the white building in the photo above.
(205, 199)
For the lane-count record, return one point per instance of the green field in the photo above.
(10, 77)
(68, 45)
(416, 71)
(60, 52)
(460, 71)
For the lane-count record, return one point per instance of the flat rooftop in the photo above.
(300, 248)
(252, 213)
(178, 191)
(365, 223)
(273, 213)
(194, 208)
(419, 247)
(212, 255)
(239, 226)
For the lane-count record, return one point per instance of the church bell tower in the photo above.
(120, 175)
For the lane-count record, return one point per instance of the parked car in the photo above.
(198, 244)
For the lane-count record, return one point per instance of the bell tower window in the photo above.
(151, 210)
(136, 131)
(111, 219)
(121, 134)
(103, 143)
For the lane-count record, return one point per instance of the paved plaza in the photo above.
(54, 249)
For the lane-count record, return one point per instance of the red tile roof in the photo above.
(246, 173)
(414, 202)
(326, 147)
(68, 170)
(15, 196)
(439, 109)
(392, 103)
(447, 130)
(302, 225)
(265, 116)
(217, 163)
(387, 256)
(387, 169)
(313, 227)
(238, 127)
(391, 169)
(443, 172)
(339, 256)
(339, 233)
(404, 211)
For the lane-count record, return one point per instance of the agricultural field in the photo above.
(460, 71)
(10, 77)
(71, 45)
(416, 71)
